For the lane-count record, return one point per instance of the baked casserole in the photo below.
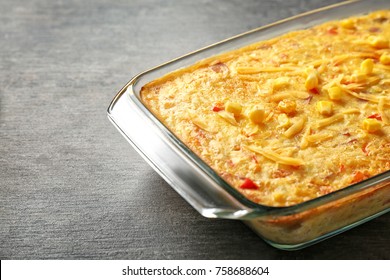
(288, 119)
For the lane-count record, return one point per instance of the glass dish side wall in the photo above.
(311, 226)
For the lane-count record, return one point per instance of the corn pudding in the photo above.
(289, 119)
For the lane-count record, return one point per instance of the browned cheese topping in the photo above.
(289, 119)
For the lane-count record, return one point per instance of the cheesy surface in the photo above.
(288, 119)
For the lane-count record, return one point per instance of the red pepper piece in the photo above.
(359, 176)
(308, 100)
(254, 158)
(364, 149)
(375, 116)
(374, 29)
(219, 67)
(333, 31)
(249, 184)
(217, 109)
(352, 141)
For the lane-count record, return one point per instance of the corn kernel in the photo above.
(335, 93)
(378, 42)
(279, 197)
(367, 66)
(283, 120)
(371, 125)
(233, 107)
(311, 81)
(385, 58)
(287, 106)
(257, 115)
(325, 108)
(347, 23)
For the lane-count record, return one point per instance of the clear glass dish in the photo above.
(288, 228)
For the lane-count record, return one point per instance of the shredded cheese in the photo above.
(276, 157)
(328, 121)
(256, 70)
(381, 110)
(229, 117)
(295, 128)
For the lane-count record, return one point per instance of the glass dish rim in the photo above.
(129, 92)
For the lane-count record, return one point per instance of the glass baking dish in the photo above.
(291, 227)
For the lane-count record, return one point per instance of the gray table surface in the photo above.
(71, 187)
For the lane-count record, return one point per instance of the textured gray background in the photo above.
(71, 187)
